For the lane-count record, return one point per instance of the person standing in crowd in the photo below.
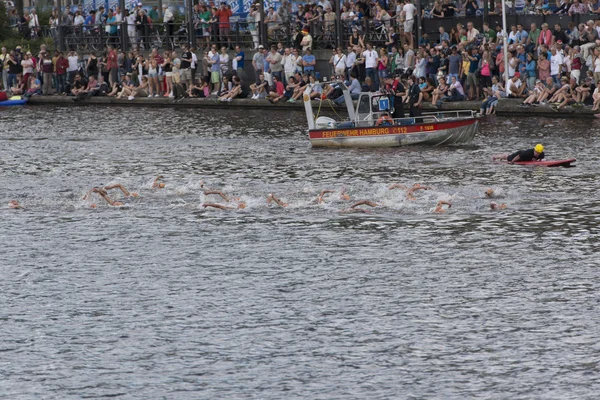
(169, 22)
(275, 66)
(185, 72)
(62, 65)
(290, 63)
(258, 61)
(112, 66)
(408, 15)
(338, 62)
(370, 56)
(237, 63)
(224, 14)
(4, 67)
(308, 62)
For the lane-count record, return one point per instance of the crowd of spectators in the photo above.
(556, 66)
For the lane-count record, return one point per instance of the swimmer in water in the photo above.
(126, 193)
(496, 206)
(218, 193)
(158, 185)
(273, 199)
(439, 208)
(353, 208)
(397, 186)
(321, 197)
(102, 193)
(240, 206)
(15, 205)
(412, 190)
(343, 195)
(489, 193)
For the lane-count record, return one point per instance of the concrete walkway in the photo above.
(506, 107)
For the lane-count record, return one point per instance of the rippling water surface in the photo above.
(162, 298)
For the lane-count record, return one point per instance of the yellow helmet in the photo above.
(539, 148)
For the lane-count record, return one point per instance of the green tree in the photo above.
(5, 32)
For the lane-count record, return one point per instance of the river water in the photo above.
(163, 299)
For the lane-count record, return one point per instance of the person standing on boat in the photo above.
(535, 154)
(399, 92)
(415, 97)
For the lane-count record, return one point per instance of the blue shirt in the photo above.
(354, 87)
(474, 63)
(215, 67)
(113, 28)
(309, 59)
(444, 36)
(523, 58)
(89, 20)
(240, 63)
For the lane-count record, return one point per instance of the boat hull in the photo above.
(8, 103)
(432, 134)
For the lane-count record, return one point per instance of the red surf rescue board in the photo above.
(553, 163)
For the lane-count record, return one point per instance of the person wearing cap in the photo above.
(258, 61)
(515, 87)
(535, 154)
(307, 40)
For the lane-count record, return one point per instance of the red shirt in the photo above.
(111, 61)
(224, 17)
(279, 88)
(61, 65)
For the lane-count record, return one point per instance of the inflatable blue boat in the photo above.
(15, 102)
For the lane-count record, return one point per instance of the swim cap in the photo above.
(539, 148)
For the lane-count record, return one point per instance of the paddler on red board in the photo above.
(535, 154)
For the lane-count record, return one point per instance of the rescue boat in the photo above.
(370, 124)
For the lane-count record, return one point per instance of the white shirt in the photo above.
(168, 15)
(555, 61)
(289, 63)
(350, 59)
(409, 11)
(72, 63)
(339, 62)
(513, 85)
(131, 23)
(195, 61)
(33, 22)
(325, 4)
(370, 58)
(79, 20)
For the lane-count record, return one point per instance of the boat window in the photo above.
(363, 106)
(375, 104)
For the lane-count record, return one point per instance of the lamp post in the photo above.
(505, 42)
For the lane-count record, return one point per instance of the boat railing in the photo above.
(425, 118)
